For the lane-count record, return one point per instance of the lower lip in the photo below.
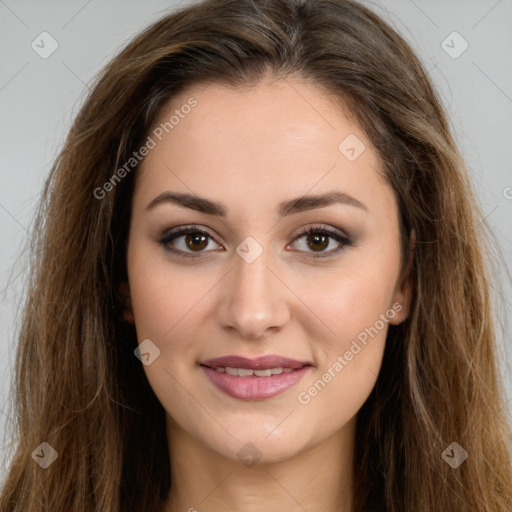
(254, 388)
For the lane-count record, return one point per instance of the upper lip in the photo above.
(257, 363)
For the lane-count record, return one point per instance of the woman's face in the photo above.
(248, 170)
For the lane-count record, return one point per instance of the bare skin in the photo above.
(251, 149)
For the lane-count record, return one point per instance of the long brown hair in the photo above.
(78, 385)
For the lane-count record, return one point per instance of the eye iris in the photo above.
(191, 239)
(318, 238)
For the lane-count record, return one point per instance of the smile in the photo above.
(252, 385)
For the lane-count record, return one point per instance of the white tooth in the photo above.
(247, 372)
(262, 373)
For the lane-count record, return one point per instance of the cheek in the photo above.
(353, 310)
(350, 303)
(164, 303)
(348, 360)
(350, 300)
(356, 313)
(161, 296)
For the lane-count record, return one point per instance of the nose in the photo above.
(254, 301)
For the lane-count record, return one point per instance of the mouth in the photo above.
(254, 379)
(249, 372)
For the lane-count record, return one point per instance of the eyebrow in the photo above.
(290, 207)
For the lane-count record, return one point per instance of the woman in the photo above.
(260, 282)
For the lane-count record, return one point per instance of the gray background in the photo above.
(39, 97)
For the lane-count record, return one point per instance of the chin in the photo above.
(257, 447)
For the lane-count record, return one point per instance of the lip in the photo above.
(257, 363)
(255, 388)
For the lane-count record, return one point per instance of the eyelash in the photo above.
(322, 230)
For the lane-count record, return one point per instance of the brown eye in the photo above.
(318, 239)
(187, 241)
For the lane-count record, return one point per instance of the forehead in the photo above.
(277, 139)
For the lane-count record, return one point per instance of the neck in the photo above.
(316, 479)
